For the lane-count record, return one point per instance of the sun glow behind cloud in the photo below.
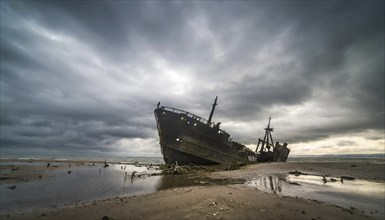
(177, 81)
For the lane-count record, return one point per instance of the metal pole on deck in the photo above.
(212, 110)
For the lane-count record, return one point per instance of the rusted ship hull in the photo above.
(186, 138)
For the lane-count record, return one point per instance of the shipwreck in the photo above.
(186, 138)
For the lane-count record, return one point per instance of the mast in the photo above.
(267, 140)
(268, 134)
(212, 110)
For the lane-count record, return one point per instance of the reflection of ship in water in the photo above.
(263, 183)
(196, 179)
(267, 183)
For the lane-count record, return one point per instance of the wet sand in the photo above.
(222, 201)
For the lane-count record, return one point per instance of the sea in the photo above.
(344, 158)
(331, 158)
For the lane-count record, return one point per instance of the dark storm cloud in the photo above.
(86, 76)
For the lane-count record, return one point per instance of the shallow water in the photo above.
(83, 183)
(359, 194)
(360, 158)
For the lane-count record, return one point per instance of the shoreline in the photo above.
(221, 194)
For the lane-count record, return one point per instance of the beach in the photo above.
(261, 191)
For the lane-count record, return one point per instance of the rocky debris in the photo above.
(294, 183)
(11, 187)
(15, 169)
(133, 174)
(297, 173)
(347, 178)
(175, 169)
(324, 178)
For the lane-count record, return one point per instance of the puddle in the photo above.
(364, 195)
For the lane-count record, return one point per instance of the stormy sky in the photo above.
(83, 78)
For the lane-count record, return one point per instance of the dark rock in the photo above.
(324, 179)
(347, 178)
(11, 187)
(297, 173)
(294, 183)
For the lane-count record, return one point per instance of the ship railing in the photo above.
(179, 111)
(195, 117)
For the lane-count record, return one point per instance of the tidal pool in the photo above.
(368, 196)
